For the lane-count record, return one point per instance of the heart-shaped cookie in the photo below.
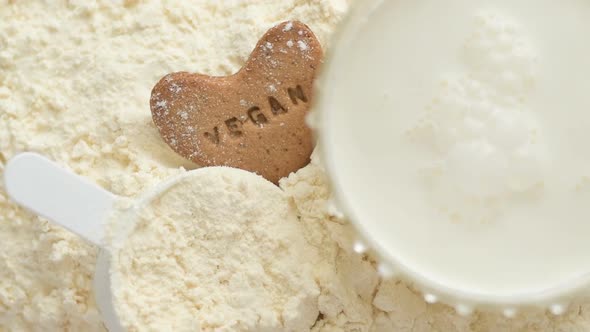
(254, 119)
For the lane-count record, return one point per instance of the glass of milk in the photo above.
(455, 134)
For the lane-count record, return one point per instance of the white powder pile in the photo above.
(75, 81)
(221, 250)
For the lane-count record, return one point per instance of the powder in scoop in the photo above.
(220, 250)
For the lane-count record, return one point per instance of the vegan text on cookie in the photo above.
(254, 119)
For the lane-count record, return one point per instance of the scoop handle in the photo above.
(63, 197)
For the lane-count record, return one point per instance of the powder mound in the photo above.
(480, 130)
(220, 250)
(75, 78)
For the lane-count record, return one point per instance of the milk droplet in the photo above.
(557, 309)
(359, 247)
(463, 309)
(509, 312)
(430, 298)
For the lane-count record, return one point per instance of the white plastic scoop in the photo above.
(80, 206)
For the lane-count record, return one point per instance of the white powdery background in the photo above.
(75, 80)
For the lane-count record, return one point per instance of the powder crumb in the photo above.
(161, 104)
(288, 26)
(290, 43)
(302, 45)
(175, 88)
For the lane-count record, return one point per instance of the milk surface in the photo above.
(459, 136)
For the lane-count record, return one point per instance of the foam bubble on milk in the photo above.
(480, 136)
